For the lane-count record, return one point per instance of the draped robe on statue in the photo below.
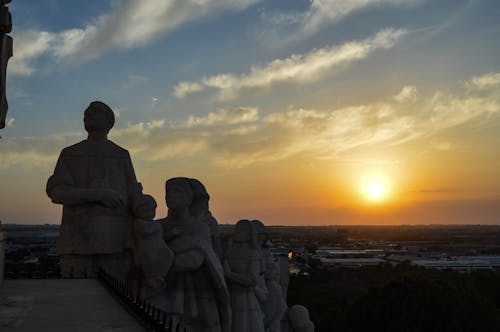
(196, 289)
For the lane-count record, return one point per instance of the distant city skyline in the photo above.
(293, 112)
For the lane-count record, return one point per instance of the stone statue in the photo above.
(96, 183)
(196, 291)
(152, 257)
(199, 209)
(273, 301)
(298, 320)
(243, 267)
(5, 53)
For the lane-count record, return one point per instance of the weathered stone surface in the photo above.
(82, 305)
(96, 183)
(152, 257)
(243, 267)
(196, 290)
(273, 304)
(298, 319)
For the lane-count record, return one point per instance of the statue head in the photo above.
(145, 207)
(98, 117)
(178, 193)
(199, 206)
(244, 232)
(261, 232)
(298, 318)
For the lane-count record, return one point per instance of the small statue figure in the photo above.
(95, 182)
(273, 302)
(196, 291)
(152, 257)
(242, 267)
(6, 44)
(298, 320)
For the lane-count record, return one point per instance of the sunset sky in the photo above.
(295, 112)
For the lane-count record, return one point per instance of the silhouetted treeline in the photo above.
(402, 298)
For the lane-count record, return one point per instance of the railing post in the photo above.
(150, 316)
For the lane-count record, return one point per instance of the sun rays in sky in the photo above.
(293, 112)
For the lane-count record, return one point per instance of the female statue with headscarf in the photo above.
(196, 294)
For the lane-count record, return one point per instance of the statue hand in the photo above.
(111, 198)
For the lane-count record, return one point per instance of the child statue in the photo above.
(152, 257)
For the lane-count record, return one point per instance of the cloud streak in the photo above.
(297, 69)
(135, 23)
(484, 82)
(130, 24)
(324, 12)
(29, 45)
(237, 137)
(321, 13)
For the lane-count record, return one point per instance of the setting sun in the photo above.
(375, 191)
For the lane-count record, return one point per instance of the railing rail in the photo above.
(149, 316)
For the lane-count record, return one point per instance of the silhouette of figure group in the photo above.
(178, 263)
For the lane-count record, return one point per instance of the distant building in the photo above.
(460, 264)
(493, 261)
(350, 262)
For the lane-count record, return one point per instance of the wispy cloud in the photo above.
(296, 69)
(484, 82)
(183, 89)
(408, 93)
(29, 45)
(129, 24)
(135, 23)
(236, 137)
(225, 116)
(133, 80)
(10, 122)
(322, 13)
(30, 152)
(442, 146)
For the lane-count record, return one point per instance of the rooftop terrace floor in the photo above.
(75, 305)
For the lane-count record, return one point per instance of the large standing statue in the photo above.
(96, 183)
(196, 292)
(5, 54)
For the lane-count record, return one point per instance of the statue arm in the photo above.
(246, 280)
(61, 189)
(64, 194)
(134, 188)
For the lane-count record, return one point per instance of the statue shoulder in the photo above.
(86, 148)
(75, 149)
(117, 150)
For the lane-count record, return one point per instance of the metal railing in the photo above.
(149, 316)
